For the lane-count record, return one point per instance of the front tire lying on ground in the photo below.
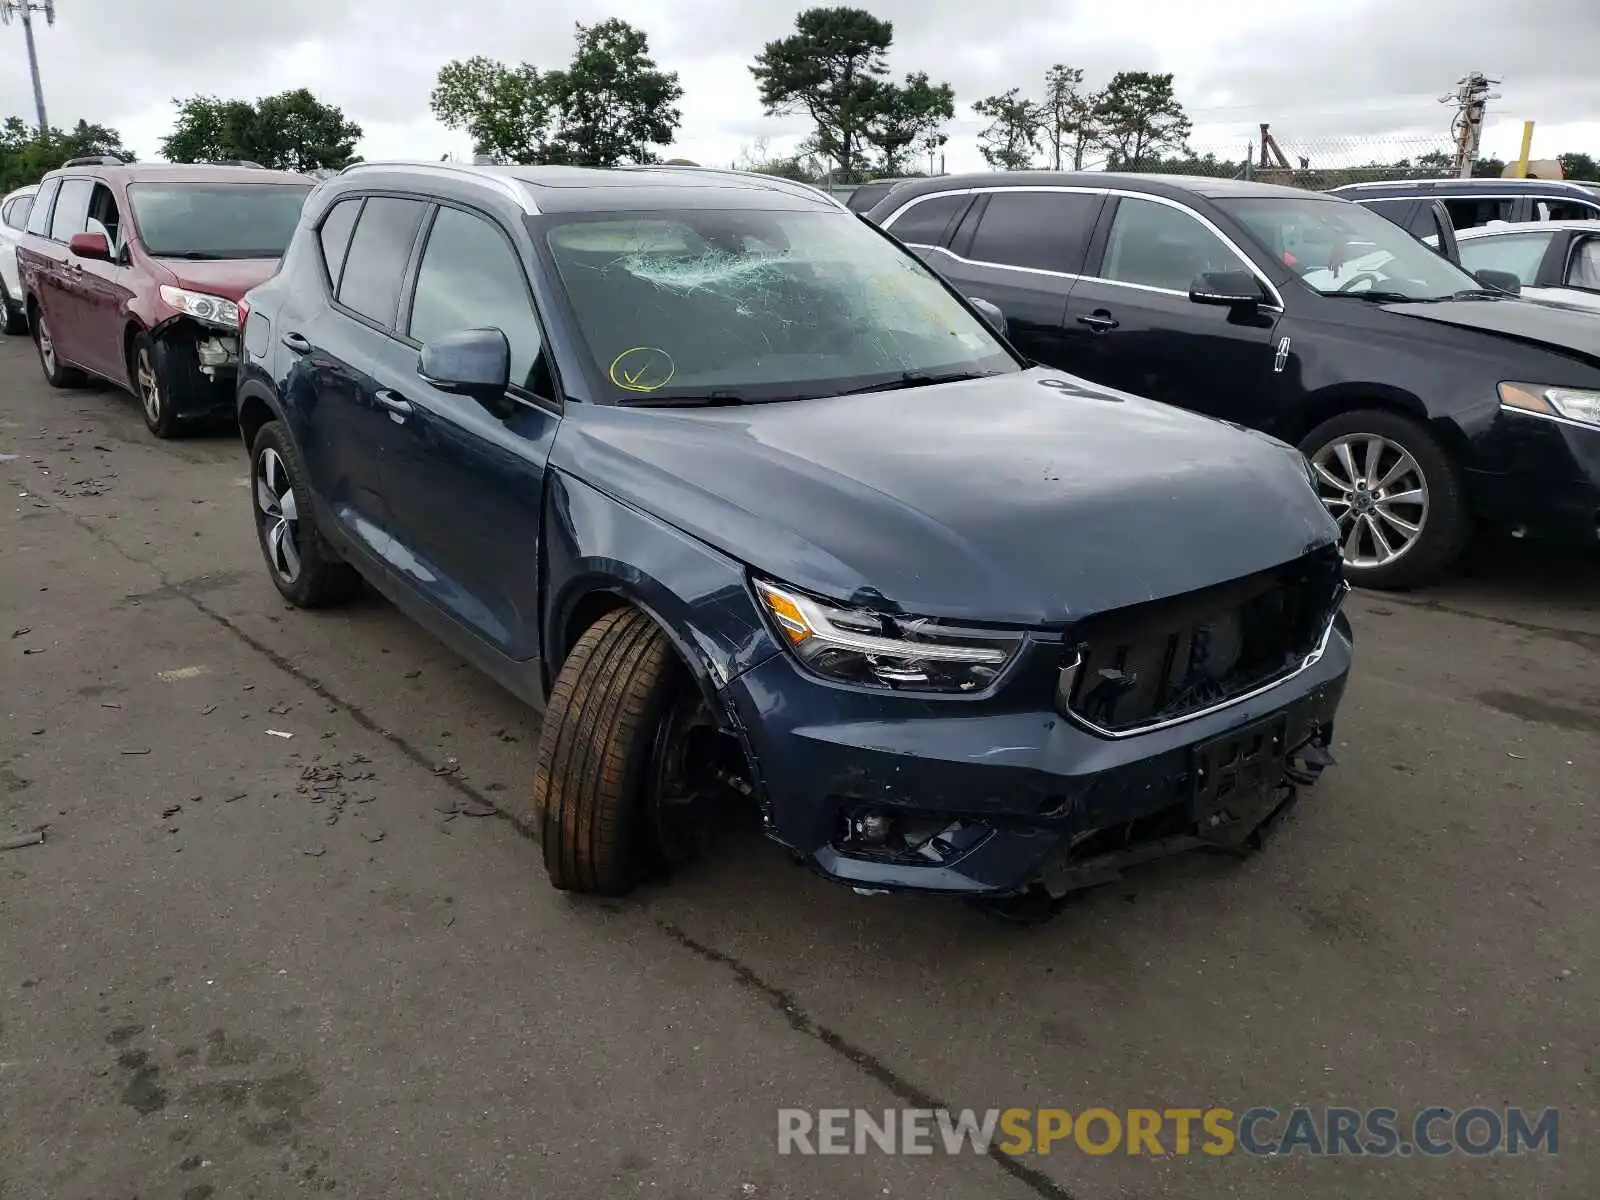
(303, 566)
(599, 748)
(1397, 496)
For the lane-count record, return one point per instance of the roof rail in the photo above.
(776, 181)
(95, 160)
(1473, 181)
(502, 183)
(234, 162)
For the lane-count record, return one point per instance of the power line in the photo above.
(25, 9)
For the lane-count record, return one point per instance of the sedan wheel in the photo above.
(149, 386)
(1376, 492)
(278, 512)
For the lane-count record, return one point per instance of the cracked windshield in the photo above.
(760, 305)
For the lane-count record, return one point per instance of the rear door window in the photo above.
(927, 222)
(334, 236)
(1047, 231)
(379, 251)
(39, 214)
(1518, 253)
(16, 213)
(72, 209)
(1468, 212)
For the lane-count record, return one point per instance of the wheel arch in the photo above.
(1352, 397)
(256, 407)
(600, 554)
(130, 335)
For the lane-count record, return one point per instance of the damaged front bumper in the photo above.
(998, 796)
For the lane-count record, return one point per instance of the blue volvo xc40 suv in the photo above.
(753, 505)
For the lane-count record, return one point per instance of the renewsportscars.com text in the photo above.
(1260, 1131)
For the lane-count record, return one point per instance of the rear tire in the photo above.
(596, 748)
(1423, 491)
(12, 314)
(304, 568)
(56, 374)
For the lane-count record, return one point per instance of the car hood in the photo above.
(1033, 498)
(1572, 330)
(229, 278)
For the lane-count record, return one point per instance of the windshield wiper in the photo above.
(911, 379)
(1379, 297)
(193, 255)
(688, 400)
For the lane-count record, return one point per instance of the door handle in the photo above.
(399, 407)
(1100, 321)
(297, 342)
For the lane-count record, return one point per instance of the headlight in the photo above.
(852, 645)
(213, 310)
(1575, 404)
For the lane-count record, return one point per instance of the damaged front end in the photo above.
(1179, 725)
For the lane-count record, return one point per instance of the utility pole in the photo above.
(1471, 98)
(25, 9)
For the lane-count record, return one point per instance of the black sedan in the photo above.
(1424, 399)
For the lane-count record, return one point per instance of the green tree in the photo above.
(1011, 139)
(1489, 168)
(909, 118)
(291, 131)
(1071, 123)
(25, 156)
(1139, 117)
(610, 105)
(506, 110)
(1579, 166)
(832, 69)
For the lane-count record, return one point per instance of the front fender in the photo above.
(598, 547)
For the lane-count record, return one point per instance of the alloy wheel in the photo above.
(278, 511)
(47, 347)
(149, 387)
(1376, 492)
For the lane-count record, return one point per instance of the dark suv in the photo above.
(1474, 202)
(757, 507)
(132, 273)
(1424, 398)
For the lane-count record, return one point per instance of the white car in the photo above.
(1555, 260)
(14, 209)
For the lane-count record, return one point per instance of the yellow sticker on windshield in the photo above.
(642, 369)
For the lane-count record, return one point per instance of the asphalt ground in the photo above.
(249, 965)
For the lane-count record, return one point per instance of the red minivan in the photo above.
(133, 273)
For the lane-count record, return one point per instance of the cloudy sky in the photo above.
(1330, 75)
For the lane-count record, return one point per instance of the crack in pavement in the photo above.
(798, 1019)
(863, 1060)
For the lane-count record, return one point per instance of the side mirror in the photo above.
(1501, 281)
(473, 362)
(1227, 289)
(90, 245)
(990, 313)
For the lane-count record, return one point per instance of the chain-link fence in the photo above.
(1314, 163)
